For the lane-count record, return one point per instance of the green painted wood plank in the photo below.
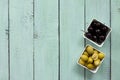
(21, 40)
(3, 40)
(71, 40)
(46, 40)
(100, 10)
(115, 41)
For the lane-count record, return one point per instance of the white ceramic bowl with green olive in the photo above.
(91, 58)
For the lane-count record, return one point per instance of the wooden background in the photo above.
(42, 39)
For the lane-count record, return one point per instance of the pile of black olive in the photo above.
(97, 32)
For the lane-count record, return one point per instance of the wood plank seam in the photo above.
(33, 39)
(110, 39)
(84, 30)
(8, 39)
(58, 39)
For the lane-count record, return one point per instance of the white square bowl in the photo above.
(96, 69)
(99, 45)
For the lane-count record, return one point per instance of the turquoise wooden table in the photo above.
(41, 39)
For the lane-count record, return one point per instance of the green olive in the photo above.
(90, 66)
(95, 56)
(89, 50)
(84, 57)
(95, 52)
(81, 62)
(97, 62)
(101, 56)
(85, 53)
(90, 60)
(86, 64)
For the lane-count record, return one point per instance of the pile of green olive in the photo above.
(91, 58)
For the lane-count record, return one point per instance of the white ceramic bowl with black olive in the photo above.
(97, 33)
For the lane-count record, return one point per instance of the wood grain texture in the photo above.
(71, 40)
(35, 41)
(4, 40)
(46, 40)
(100, 10)
(115, 39)
(21, 40)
